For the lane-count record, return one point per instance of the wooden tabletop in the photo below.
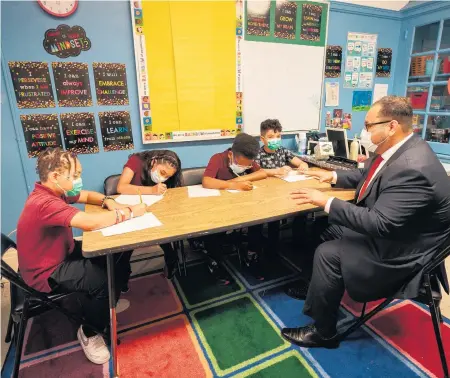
(183, 217)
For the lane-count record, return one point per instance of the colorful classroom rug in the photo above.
(192, 328)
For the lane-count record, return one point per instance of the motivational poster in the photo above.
(32, 85)
(116, 131)
(72, 84)
(111, 83)
(258, 18)
(79, 132)
(285, 19)
(384, 62)
(333, 61)
(40, 132)
(311, 22)
(65, 41)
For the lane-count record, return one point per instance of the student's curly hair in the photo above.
(54, 159)
(245, 145)
(149, 158)
(270, 124)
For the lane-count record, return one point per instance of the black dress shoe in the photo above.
(298, 291)
(308, 337)
(170, 269)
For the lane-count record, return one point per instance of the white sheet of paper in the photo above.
(199, 191)
(295, 178)
(239, 191)
(148, 220)
(379, 91)
(446, 167)
(332, 94)
(133, 199)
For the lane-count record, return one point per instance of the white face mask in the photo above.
(156, 177)
(366, 141)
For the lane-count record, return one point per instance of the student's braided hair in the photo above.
(54, 159)
(150, 158)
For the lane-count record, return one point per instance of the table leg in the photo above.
(112, 312)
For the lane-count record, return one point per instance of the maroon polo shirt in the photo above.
(44, 235)
(135, 163)
(219, 167)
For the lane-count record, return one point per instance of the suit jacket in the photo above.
(397, 226)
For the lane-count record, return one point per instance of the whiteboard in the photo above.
(282, 81)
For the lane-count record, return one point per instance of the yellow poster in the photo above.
(188, 60)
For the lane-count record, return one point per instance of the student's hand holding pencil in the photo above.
(242, 185)
(159, 189)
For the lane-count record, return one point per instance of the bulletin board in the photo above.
(202, 76)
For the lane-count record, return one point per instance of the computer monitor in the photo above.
(339, 139)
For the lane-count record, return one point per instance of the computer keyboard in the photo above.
(333, 163)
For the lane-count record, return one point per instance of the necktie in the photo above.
(372, 170)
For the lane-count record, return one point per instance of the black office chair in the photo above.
(110, 185)
(27, 303)
(429, 294)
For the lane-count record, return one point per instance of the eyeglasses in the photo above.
(367, 126)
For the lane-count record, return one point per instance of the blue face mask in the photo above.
(76, 188)
(274, 144)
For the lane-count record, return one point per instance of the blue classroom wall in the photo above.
(107, 24)
(352, 18)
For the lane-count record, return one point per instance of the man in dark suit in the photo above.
(399, 219)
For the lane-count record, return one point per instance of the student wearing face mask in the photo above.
(236, 169)
(153, 172)
(50, 260)
(278, 161)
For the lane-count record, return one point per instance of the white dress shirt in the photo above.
(386, 156)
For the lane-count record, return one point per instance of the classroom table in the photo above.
(183, 217)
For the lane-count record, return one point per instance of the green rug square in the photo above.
(236, 333)
(288, 365)
(199, 286)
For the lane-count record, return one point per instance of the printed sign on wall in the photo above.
(65, 41)
(384, 61)
(258, 18)
(311, 22)
(360, 60)
(333, 61)
(32, 85)
(116, 131)
(40, 131)
(285, 19)
(111, 83)
(72, 84)
(79, 132)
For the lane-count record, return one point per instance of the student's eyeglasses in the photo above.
(367, 126)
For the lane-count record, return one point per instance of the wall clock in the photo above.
(61, 8)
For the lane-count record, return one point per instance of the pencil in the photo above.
(140, 195)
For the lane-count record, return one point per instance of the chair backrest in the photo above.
(14, 277)
(193, 176)
(110, 185)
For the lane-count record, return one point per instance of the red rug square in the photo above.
(409, 328)
(166, 349)
(151, 297)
